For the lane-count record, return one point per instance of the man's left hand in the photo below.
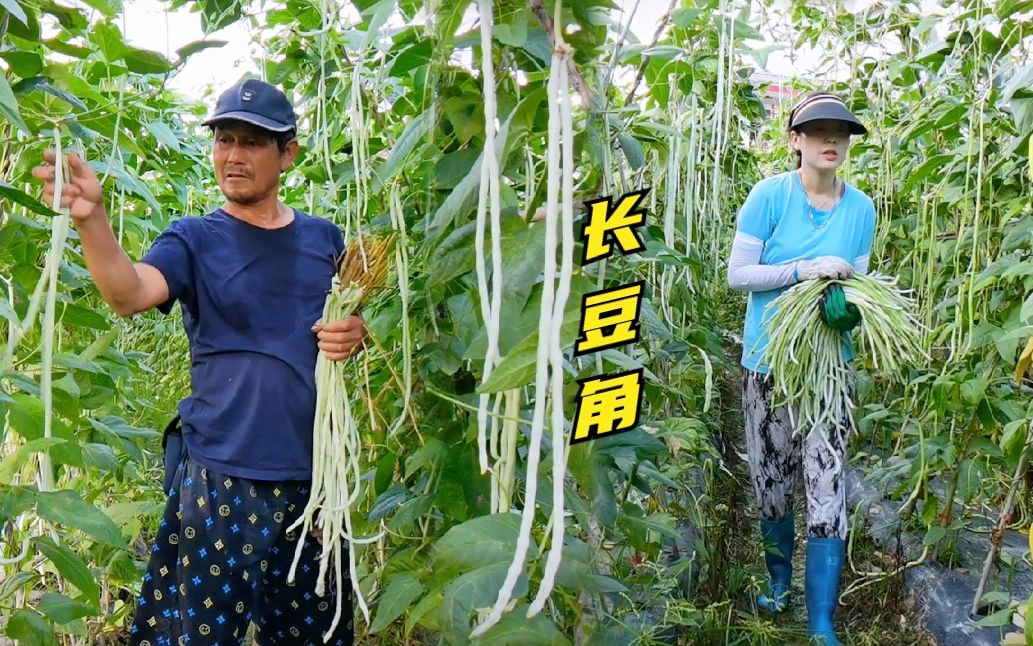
(340, 339)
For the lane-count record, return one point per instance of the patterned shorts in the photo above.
(220, 560)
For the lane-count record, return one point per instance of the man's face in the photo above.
(248, 163)
(823, 143)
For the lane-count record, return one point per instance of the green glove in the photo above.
(836, 311)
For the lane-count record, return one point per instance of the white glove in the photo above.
(824, 267)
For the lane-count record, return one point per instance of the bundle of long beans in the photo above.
(336, 444)
(806, 357)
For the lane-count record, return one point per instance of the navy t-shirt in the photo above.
(249, 298)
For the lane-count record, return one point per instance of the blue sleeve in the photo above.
(754, 219)
(170, 254)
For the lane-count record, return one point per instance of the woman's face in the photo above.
(822, 144)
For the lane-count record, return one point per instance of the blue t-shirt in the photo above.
(249, 298)
(776, 214)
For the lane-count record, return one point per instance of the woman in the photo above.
(805, 224)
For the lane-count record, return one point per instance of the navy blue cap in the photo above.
(255, 102)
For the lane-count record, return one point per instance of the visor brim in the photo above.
(833, 111)
(249, 117)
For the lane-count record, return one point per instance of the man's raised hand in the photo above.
(81, 192)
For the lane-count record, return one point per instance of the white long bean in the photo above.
(552, 563)
(516, 567)
(491, 305)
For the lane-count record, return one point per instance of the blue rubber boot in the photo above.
(821, 587)
(779, 541)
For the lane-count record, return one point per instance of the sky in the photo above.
(146, 24)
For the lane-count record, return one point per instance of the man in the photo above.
(251, 278)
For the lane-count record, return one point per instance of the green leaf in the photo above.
(461, 113)
(216, 14)
(515, 629)
(26, 416)
(108, 39)
(24, 383)
(432, 451)
(29, 30)
(118, 426)
(11, 193)
(579, 575)
(165, 135)
(661, 523)
(1014, 433)
(71, 18)
(517, 368)
(453, 256)
(415, 131)
(67, 49)
(999, 618)
(743, 31)
(388, 502)
(14, 501)
(1027, 310)
(413, 56)
(29, 629)
(382, 12)
(110, 8)
(421, 612)
(24, 64)
(475, 589)
(685, 16)
(43, 84)
(67, 508)
(385, 472)
(144, 61)
(15, 10)
(399, 594)
(972, 390)
(71, 567)
(996, 597)
(520, 269)
(453, 167)
(9, 107)
(538, 46)
(130, 183)
(463, 197)
(70, 361)
(934, 535)
(513, 34)
(478, 542)
(82, 317)
(14, 462)
(15, 582)
(61, 609)
(190, 49)
(632, 150)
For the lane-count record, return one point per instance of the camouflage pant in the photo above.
(775, 457)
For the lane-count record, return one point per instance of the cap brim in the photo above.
(249, 117)
(834, 111)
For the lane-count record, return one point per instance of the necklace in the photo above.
(821, 211)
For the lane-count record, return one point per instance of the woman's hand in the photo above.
(824, 267)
